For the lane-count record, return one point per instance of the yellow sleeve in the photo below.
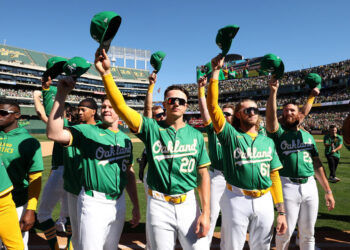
(130, 116)
(214, 109)
(276, 188)
(34, 190)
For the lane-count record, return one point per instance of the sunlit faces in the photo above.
(107, 112)
(159, 114)
(175, 103)
(333, 131)
(291, 115)
(85, 114)
(8, 115)
(248, 113)
(228, 113)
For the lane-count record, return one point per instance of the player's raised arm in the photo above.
(55, 130)
(202, 102)
(214, 109)
(305, 110)
(39, 107)
(129, 115)
(321, 177)
(271, 107)
(149, 96)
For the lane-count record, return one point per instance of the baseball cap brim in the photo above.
(76, 66)
(110, 33)
(54, 67)
(313, 80)
(225, 36)
(272, 64)
(157, 59)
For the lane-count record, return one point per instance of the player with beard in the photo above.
(298, 153)
(251, 169)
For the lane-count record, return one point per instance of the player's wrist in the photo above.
(328, 191)
(281, 213)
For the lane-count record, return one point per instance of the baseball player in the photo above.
(21, 155)
(106, 155)
(333, 143)
(217, 179)
(177, 163)
(250, 168)
(298, 153)
(10, 233)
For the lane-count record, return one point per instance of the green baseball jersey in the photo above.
(295, 150)
(5, 182)
(333, 142)
(215, 150)
(105, 157)
(57, 151)
(173, 156)
(247, 162)
(21, 155)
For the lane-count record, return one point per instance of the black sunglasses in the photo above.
(4, 112)
(172, 100)
(249, 110)
(159, 115)
(228, 114)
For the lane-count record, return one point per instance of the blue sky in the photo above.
(302, 33)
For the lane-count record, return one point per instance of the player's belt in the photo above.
(251, 193)
(172, 199)
(299, 180)
(94, 193)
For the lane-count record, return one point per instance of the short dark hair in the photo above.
(229, 106)
(177, 87)
(89, 102)
(332, 127)
(10, 102)
(154, 108)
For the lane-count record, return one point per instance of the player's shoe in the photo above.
(336, 179)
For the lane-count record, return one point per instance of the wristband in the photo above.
(281, 213)
(150, 88)
(310, 100)
(201, 92)
(329, 192)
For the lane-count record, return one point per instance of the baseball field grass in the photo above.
(338, 219)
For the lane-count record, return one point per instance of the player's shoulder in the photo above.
(123, 135)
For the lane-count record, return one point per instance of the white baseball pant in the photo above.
(301, 203)
(167, 221)
(101, 221)
(74, 217)
(217, 188)
(241, 213)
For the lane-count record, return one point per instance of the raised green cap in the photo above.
(225, 36)
(54, 67)
(76, 66)
(313, 80)
(273, 64)
(104, 26)
(157, 59)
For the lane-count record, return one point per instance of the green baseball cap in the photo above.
(104, 26)
(313, 80)
(76, 66)
(200, 73)
(225, 36)
(273, 64)
(157, 59)
(54, 67)
(208, 69)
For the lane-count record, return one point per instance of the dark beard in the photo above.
(290, 124)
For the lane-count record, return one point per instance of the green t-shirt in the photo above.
(247, 162)
(215, 150)
(334, 142)
(173, 156)
(105, 157)
(295, 150)
(21, 155)
(57, 151)
(5, 182)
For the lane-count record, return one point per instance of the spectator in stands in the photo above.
(333, 143)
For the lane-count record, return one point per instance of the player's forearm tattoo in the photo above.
(280, 207)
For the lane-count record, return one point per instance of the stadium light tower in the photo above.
(129, 54)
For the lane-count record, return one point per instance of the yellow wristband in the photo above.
(310, 100)
(201, 92)
(150, 88)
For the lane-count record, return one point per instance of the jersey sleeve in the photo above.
(275, 162)
(147, 124)
(274, 136)
(340, 140)
(203, 157)
(77, 135)
(209, 128)
(131, 158)
(326, 140)
(49, 98)
(34, 157)
(314, 151)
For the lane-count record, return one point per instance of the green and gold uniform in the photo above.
(334, 142)
(215, 150)
(174, 156)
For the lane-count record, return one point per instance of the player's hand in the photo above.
(135, 217)
(66, 85)
(330, 202)
(273, 83)
(202, 81)
(203, 225)
(46, 82)
(217, 62)
(27, 220)
(281, 226)
(102, 62)
(152, 77)
(315, 92)
(37, 94)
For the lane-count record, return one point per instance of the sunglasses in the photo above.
(173, 100)
(159, 115)
(249, 110)
(228, 114)
(4, 112)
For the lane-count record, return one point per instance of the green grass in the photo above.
(338, 219)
